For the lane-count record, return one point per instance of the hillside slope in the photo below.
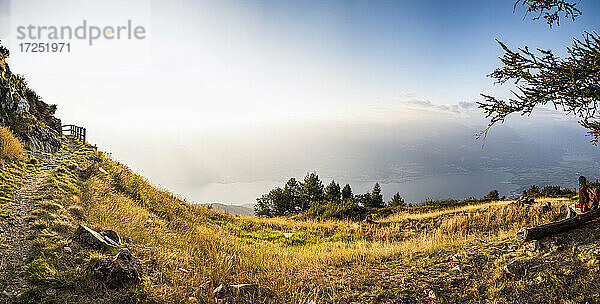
(31, 119)
(464, 254)
(187, 250)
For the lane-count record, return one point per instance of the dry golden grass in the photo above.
(184, 255)
(184, 246)
(10, 146)
(419, 216)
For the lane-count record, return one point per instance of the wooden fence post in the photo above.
(74, 131)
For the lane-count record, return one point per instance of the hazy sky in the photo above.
(249, 76)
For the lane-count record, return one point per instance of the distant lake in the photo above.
(456, 186)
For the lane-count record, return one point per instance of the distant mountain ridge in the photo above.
(243, 210)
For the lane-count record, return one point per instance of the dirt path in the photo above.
(14, 230)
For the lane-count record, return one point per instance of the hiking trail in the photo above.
(14, 230)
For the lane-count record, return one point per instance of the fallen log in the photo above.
(539, 232)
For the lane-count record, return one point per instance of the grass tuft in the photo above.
(39, 224)
(10, 146)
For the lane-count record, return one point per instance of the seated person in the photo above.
(584, 203)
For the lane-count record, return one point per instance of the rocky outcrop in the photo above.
(39, 138)
(23, 111)
(99, 241)
(123, 270)
(111, 237)
(22, 106)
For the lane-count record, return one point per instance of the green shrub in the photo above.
(532, 191)
(41, 271)
(39, 224)
(4, 52)
(556, 191)
(347, 209)
(44, 248)
(491, 196)
(44, 255)
(61, 226)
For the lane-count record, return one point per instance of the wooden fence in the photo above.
(73, 130)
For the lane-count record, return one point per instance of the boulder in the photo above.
(111, 237)
(123, 270)
(90, 238)
(221, 292)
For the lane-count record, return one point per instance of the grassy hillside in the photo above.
(451, 252)
(413, 255)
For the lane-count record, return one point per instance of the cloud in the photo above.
(412, 99)
(467, 105)
(409, 100)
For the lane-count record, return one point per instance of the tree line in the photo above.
(311, 196)
(551, 191)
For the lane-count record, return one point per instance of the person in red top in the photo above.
(584, 204)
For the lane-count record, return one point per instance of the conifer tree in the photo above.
(396, 201)
(312, 191)
(332, 192)
(376, 197)
(570, 84)
(347, 193)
